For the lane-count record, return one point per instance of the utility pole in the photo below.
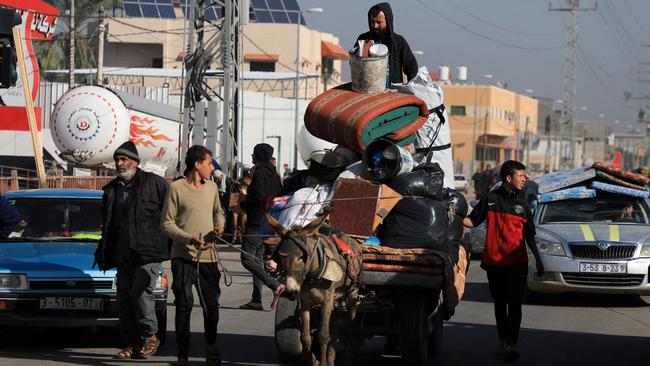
(569, 84)
(100, 47)
(72, 48)
(231, 80)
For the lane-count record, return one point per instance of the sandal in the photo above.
(150, 346)
(125, 354)
(252, 306)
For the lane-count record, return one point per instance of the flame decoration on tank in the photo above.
(143, 133)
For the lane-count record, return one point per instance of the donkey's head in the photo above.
(300, 255)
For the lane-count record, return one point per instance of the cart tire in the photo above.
(435, 339)
(413, 328)
(161, 316)
(287, 331)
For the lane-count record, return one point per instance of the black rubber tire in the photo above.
(413, 328)
(161, 315)
(287, 331)
(435, 339)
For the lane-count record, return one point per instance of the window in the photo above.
(157, 63)
(262, 66)
(457, 110)
(328, 67)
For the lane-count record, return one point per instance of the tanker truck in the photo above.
(89, 122)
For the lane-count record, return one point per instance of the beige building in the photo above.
(137, 42)
(492, 120)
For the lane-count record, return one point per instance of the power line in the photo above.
(450, 3)
(483, 35)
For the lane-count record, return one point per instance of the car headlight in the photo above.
(162, 283)
(549, 247)
(13, 282)
(645, 250)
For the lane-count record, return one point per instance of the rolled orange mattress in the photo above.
(352, 119)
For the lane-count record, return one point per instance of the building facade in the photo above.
(489, 124)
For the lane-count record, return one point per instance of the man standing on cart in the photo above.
(509, 224)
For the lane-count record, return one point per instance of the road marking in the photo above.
(614, 234)
(587, 233)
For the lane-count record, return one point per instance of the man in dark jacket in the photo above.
(9, 217)
(133, 242)
(400, 57)
(265, 183)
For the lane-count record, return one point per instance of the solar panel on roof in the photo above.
(149, 11)
(167, 11)
(263, 16)
(148, 1)
(132, 10)
(291, 5)
(259, 4)
(280, 16)
(275, 4)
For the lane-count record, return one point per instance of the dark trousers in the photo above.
(184, 278)
(136, 303)
(507, 286)
(253, 245)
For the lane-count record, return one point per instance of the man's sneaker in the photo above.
(501, 350)
(511, 354)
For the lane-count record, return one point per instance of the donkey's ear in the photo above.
(313, 226)
(275, 225)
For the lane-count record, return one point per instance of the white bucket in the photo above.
(368, 74)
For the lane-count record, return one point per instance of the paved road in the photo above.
(557, 330)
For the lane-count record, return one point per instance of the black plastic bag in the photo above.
(426, 180)
(416, 223)
(455, 201)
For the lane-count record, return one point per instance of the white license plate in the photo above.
(591, 267)
(71, 303)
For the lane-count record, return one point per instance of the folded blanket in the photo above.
(354, 120)
(567, 194)
(608, 178)
(611, 188)
(562, 179)
(623, 174)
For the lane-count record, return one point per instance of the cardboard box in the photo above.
(360, 206)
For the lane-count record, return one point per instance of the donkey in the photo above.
(314, 267)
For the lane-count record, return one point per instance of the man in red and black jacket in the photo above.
(509, 224)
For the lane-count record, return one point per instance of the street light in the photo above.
(485, 76)
(295, 89)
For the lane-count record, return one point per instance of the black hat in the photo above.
(129, 150)
(263, 152)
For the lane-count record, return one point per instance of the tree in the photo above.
(53, 54)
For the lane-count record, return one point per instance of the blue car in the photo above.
(47, 277)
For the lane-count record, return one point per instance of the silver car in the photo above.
(596, 245)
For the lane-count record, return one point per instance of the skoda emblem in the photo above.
(602, 245)
(70, 283)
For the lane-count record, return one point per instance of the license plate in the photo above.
(71, 303)
(591, 267)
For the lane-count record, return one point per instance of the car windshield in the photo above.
(601, 209)
(57, 219)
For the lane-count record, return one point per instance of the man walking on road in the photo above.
(265, 184)
(509, 224)
(400, 58)
(132, 242)
(192, 217)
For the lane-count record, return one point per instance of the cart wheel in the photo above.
(435, 339)
(414, 328)
(161, 316)
(287, 331)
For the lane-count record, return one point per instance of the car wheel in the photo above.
(161, 315)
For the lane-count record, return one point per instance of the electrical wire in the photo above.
(449, 19)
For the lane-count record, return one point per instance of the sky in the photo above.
(522, 43)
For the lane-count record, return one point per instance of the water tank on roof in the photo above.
(462, 73)
(443, 73)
